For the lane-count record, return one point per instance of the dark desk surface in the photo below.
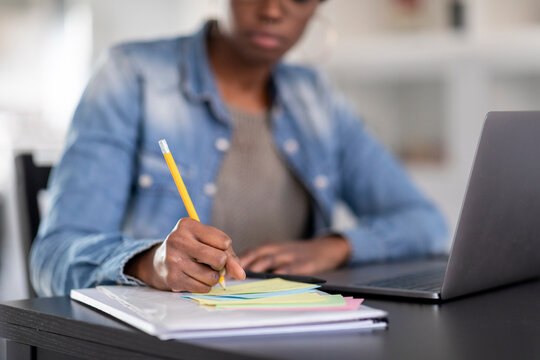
(500, 324)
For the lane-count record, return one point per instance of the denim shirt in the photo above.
(112, 196)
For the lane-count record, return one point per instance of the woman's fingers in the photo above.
(254, 254)
(201, 272)
(234, 269)
(198, 252)
(205, 234)
(233, 266)
(248, 257)
(300, 268)
(262, 264)
(285, 269)
(180, 281)
(279, 256)
(202, 253)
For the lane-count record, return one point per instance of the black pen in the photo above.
(299, 278)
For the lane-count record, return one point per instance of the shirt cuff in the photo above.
(115, 267)
(365, 246)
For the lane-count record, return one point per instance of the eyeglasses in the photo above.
(290, 7)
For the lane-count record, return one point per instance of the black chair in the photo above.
(31, 179)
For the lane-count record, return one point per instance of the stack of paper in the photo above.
(274, 294)
(168, 316)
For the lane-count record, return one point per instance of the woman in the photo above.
(265, 149)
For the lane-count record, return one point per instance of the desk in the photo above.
(502, 324)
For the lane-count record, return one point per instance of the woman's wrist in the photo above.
(337, 248)
(141, 266)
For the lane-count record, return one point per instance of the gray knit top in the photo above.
(258, 199)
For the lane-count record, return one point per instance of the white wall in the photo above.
(123, 20)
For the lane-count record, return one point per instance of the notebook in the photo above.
(167, 315)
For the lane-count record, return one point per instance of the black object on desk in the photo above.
(501, 324)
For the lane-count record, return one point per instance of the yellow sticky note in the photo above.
(263, 286)
(286, 299)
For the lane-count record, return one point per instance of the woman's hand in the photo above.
(301, 257)
(188, 260)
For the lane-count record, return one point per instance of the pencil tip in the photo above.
(222, 282)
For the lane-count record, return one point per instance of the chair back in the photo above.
(31, 179)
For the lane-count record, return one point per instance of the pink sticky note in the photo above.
(350, 304)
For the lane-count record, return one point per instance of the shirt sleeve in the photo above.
(79, 243)
(394, 219)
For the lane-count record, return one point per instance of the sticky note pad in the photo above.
(330, 301)
(263, 286)
(248, 296)
(287, 299)
(351, 304)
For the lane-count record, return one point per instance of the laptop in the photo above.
(497, 239)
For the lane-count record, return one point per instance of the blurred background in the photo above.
(421, 73)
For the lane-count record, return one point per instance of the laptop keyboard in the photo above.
(423, 281)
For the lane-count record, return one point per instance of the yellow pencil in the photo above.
(184, 193)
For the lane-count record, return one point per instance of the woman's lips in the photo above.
(266, 40)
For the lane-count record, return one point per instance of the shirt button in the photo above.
(222, 144)
(291, 146)
(321, 182)
(145, 180)
(210, 189)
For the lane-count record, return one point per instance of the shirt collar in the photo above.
(198, 81)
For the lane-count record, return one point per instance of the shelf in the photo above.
(421, 55)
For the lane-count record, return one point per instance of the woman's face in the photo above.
(262, 31)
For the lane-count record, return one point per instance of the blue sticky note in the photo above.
(250, 296)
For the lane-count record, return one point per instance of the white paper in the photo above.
(166, 315)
